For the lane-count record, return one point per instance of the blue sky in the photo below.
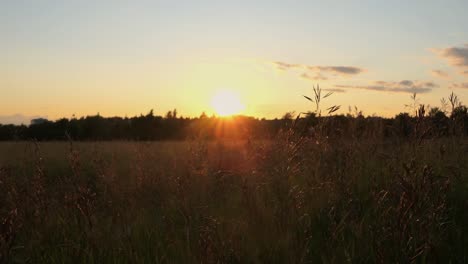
(126, 57)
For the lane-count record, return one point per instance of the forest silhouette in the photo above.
(436, 122)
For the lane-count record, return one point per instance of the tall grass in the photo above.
(303, 198)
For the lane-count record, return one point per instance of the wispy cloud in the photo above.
(17, 119)
(314, 77)
(318, 72)
(440, 74)
(404, 86)
(286, 66)
(335, 90)
(345, 70)
(463, 85)
(455, 56)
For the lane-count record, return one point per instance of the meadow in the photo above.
(326, 189)
(291, 200)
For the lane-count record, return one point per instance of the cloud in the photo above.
(455, 56)
(346, 70)
(334, 90)
(404, 86)
(317, 72)
(315, 77)
(406, 83)
(286, 66)
(463, 85)
(17, 119)
(440, 74)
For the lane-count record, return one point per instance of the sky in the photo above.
(124, 58)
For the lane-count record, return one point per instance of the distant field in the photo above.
(292, 200)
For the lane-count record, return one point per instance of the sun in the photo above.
(227, 103)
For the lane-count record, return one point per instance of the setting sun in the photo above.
(226, 103)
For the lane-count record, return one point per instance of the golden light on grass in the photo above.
(227, 103)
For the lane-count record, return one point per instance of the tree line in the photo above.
(421, 121)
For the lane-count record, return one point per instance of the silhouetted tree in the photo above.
(433, 122)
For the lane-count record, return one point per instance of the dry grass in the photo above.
(303, 198)
(295, 200)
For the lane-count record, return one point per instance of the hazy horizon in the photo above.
(121, 58)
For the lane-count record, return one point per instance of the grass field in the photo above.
(288, 201)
